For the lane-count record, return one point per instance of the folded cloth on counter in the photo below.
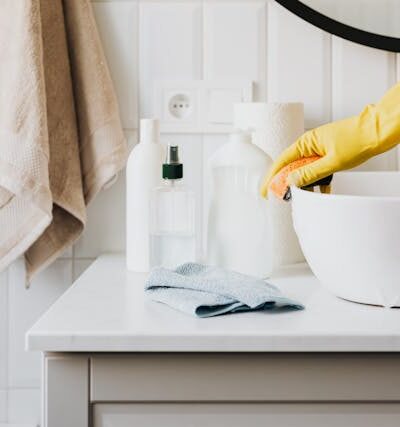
(61, 140)
(206, 291)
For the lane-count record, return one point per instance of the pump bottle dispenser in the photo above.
(143, 175)
(173, 233)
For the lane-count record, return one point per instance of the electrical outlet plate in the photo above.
(177, 105)
(199, 106)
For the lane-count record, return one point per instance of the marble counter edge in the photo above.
(89, 344)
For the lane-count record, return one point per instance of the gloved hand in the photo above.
(343, 144)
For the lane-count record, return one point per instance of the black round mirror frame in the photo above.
(342, 30)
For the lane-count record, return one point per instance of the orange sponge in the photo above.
(279, 185)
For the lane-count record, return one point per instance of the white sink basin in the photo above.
(351, 238)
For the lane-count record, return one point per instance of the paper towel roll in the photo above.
(275, 126)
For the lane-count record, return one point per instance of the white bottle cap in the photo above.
(150, 131)
(241, 137)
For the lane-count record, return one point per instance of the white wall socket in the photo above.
(199, 106)
(180, 106)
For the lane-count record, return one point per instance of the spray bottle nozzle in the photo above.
(172, 168)
(172, 155)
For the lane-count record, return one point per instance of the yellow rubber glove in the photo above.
(343, 144)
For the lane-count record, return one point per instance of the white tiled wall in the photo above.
(148, 40)
(25, 306)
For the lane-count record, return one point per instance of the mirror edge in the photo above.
(336, 28)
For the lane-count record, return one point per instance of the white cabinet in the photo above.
(118, 360)
(213, 390)
(251, 415)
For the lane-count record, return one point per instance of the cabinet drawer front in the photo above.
(245, 377)
(252, 415)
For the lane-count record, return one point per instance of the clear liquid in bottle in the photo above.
(172, 231)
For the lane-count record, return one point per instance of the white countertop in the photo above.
(106, 311)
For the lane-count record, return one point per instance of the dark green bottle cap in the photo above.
(172, 171)
(172, 168)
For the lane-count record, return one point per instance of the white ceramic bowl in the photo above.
(351, 238)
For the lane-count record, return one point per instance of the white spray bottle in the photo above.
(143, 175)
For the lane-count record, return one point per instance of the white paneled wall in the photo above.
(235, 42)
(105, 225)
(170, 45)
(360, 76)
(299, 64)
(148, 40)
(118, 26)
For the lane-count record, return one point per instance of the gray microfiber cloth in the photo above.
(206, 291)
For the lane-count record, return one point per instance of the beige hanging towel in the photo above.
(61, 139)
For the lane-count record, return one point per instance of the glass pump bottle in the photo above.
(172, 230)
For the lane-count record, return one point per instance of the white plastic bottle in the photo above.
(239, 228)
(143, 175)
(173, 225)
